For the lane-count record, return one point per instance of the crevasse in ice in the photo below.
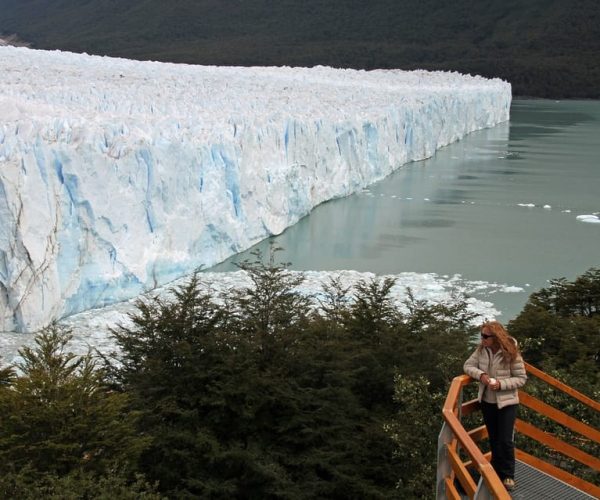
(117, 176)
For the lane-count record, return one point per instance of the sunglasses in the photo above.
(486, 336)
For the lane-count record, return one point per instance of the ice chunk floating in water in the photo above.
(593, 219)
(117, 176)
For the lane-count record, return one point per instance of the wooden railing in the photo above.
(455, 474)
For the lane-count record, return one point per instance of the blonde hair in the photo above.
(506, 343)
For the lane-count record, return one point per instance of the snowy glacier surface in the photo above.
(117, 176)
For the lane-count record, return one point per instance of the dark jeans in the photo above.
(500, 425)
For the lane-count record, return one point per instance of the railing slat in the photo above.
(557, 444)
(451, 491)
(562, 387)
(493, 482)
(478, 433)
(483, 466)
(558, 416)
(470, 407)
(488, 457)
(461, 472)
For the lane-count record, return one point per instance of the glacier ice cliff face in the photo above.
(117, 176)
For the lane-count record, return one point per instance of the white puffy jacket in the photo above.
(510, 375)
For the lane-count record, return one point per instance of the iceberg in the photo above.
(118, 176)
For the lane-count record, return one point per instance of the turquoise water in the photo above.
(462, 211)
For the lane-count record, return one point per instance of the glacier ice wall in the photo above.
(117, 176)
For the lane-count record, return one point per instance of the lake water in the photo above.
(500, 206)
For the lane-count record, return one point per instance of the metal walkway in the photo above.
(532, 484)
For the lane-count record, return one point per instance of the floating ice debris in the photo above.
(91, 328)
(593, 219)
(528, 205)
(548, 207)
(566, 211)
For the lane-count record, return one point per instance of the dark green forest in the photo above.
(545, 48)
(259, 395)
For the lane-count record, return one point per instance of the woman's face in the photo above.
(487, 338)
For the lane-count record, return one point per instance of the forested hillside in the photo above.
(545, 48)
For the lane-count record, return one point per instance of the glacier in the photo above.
(118, 176)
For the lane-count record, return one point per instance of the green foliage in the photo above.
(373, 311)
(27, 484)
(578, 298)
(256, 395)
(57, 417)
(334, 305)
(415, 431)
(172, 367)
(545, 48)
(6, 375)
(437, 342)
(559, 329)
(269, 312)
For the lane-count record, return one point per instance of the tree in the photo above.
(438, 333)
(257, 394)
(58, 417)
(270, 311)
(246, 397)
(28, 484)
(7, 374)
(172, 362)
(414, 431)
(559, 328)
(373, 311)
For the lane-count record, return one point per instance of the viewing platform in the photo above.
(464, 470)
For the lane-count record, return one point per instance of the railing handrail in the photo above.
(559, 417)
(550, 380)
(452, 411)
(478, 459)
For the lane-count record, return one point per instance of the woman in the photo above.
(499, 367)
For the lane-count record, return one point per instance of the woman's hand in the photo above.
(492, 383)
